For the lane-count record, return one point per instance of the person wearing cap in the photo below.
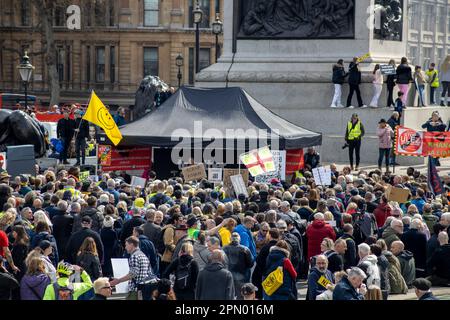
(65, 130)
(81, 134)
(102, 289)
(245, 232)
(193, 224)
(24, 188)
(77, 239)
(63, 288)
(422, 289)
(353, 135)
(385, 135)
(248, 291)
(240, 262)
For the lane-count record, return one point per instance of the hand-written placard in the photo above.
(388, 69)
(322, 176)
(195, 172)
(239, 185)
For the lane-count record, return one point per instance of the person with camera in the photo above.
(353, 135)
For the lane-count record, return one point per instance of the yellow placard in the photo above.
(324, 281)
(364, 57)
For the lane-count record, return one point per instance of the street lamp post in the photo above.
(179, 62)
(198, 16)
(217, 29)
(25, 70)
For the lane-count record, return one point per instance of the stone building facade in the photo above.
(120, 42)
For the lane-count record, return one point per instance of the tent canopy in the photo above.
(227, 116)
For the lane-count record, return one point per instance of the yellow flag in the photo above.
(100, 116)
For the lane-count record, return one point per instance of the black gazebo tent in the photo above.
(208, 114)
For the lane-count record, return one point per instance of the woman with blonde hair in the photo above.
(40, 216)
(225, 232)
(87, 258)
(445, 80)
(43, 251)
(35, 281)
(184, 270)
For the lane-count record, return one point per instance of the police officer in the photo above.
(433, 79)
(353, 134)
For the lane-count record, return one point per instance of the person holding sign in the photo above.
(354, 80)
(319, 278)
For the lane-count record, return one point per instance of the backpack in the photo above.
(182, 275)
(295, 249)
(160, 246)
(63, 293)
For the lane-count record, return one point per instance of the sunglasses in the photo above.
(265, 230)
(110, 288)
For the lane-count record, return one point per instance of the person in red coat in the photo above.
(316, 232)
(382, 212)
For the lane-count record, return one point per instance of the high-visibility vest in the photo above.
(430, 74)
(354, 133)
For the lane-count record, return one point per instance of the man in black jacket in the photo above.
(65, 130)
(76, 240)
(439, 264)
(62, 228)
(93, 213)
(339, 76)
(354, 80)
(81, 134)
(350, 254)
(135, 221)
(240, 262)
(215, 273)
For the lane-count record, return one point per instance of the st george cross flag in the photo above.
(434, 182)
(258, 161)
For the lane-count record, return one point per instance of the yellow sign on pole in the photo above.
(364, 57)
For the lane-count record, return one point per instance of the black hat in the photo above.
(248, 288)
(86, 219)
(45, 244)
(191, 221)
(382, 121)
(422, 284)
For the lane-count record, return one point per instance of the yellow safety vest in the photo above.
(430, 74)
(354, 133)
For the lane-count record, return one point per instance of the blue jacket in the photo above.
(288, 290)
(314, 288)
(246, 239)
(149, 250)
(115, 193)
(345, 291)
(428, 296)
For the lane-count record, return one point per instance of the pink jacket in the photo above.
(385, 137)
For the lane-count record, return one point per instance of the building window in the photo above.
(427, 54)
(414, 16)
(100, 64)
(442, 19)
(428, 17)
(87, 16)
(191, 65)
(60, 16)
(25, 12)
(151, 62)
(204, 5)
(205, 58)
(112, 13)
(68, 64)
(151, 13)
(217, 6)
(100, 13)
(60, 63)
(88, 63)
(112, 64)
(412, 55)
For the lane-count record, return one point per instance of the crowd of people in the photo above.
(403, 77)
(347, 240)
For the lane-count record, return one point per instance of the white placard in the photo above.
(215, 174)
(322, 176)
(136, 181)
(239, 185)
(279, 159)
(120, 268)
(3, 157)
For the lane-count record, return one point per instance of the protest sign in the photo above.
(104, 155)
(120, 268)
(279, 159)
(388, 69)
(3, 159)
(258, 161)
(138, 182)
(239, 185)
(294, 161)
(215, 174)
(227, 184)
(322, 176)
(84, 176)
(397, 194)
(195, 172)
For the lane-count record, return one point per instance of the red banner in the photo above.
(409, 142)
(129, 158)
(294, 161)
